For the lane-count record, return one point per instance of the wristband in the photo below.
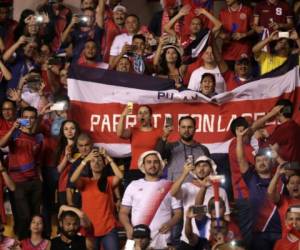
(83, 162)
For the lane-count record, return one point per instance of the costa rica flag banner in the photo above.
(98, 98)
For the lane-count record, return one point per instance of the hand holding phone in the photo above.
(130, 108)
(23, 122)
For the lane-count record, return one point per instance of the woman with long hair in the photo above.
(168, 61)
(36, 240)
(143, 129)
(68, 134)
(97, 197)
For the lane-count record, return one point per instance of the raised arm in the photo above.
(176, 187)
(121, 130)
(5, 139)
(75, 176)
(115, 168)
(261, 44)
(259, 123)
(168, 28)
(12, 49)
(223, 67)
(243, 164)
(68, 30)
(100, 14)
(272, 188)
(216, 22)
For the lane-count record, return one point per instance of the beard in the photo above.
(69, 234)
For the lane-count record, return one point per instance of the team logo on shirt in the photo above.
(243, 16)
(161, 190)
(140, 189)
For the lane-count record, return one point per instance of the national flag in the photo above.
(99, 96)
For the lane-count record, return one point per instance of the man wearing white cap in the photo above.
(201, 171)
(148, 201)
(291, 241)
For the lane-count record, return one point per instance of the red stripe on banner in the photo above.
(213, 121)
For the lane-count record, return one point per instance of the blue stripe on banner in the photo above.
(22, 168)
(122, 79)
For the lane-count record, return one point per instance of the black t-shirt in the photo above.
(78, 243)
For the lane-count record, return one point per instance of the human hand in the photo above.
(165, 228)
(14, 95)
(185, 10)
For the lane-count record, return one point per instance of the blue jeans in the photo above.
(109, 241)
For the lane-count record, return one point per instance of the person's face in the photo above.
(36, 225)
(207, 85)
(222, 211)
(152, 165)
(262, 164)
(30, 49)
(91, 17)
(123, 65)
(195, 25)
(33, 29)
(88, 4)
(3, 14)
(69, 130)
(63, 76)
(186, 130)
(70, 226)
(293, 186)
(90, 50)
(131, 25)
(282, 45)
(293, 219)
(242, 69)
(144, 115)
(139, 45)
(119, 17)
(208, 56)
(97, 164)
(8, 111)
(171, 55)
(31, 117)
(84, 147)
(202, 170)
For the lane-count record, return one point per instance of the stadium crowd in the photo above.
(67, 193)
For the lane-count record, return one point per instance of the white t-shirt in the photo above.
(143, 197)
(189, 192)
(119, 42)
(194, 83)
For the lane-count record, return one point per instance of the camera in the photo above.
(57, 59)
(199, 209)
(83, 20)
(23, 122)
(39, 18)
